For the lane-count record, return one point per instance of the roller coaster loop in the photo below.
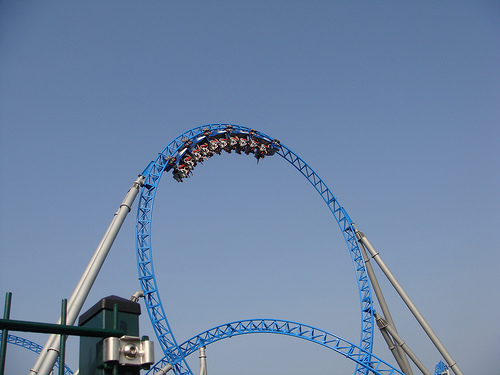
(283, 327)
(180, 157)
(34, 347)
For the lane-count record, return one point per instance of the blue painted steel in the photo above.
(441, 369)
(283, 327)
(170, 158)
(34, 347)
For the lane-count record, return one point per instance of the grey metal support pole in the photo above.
(165, 369)
(203, 361)
(49, 354)
(392, 347)
(423, 323)
(383, 325)
(49, 343)
(400, 357)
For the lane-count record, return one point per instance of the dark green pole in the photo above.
(5, 332)
(62, 349)
(24, 326)
(115, 327)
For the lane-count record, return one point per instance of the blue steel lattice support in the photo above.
(283, 327)
(441, 369)
(173, 153)
(34, 347)
(346, 226)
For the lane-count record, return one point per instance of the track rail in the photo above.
(34, 347)
(180, 157)
(288, 328)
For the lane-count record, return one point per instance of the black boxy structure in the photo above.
(101, 316)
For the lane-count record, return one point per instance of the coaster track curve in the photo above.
(180, 156)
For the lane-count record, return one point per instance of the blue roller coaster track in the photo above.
(34, 347)
(180, 157)
(283, 327)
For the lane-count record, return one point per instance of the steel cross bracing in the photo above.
(283, 327)
(34, 347)
(180, 156)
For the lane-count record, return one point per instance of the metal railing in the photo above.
(7, 324)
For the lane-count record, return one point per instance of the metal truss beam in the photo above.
(171, 157)
(282, 327)
(34, 347)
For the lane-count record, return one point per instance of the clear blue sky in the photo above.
(394, 105)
